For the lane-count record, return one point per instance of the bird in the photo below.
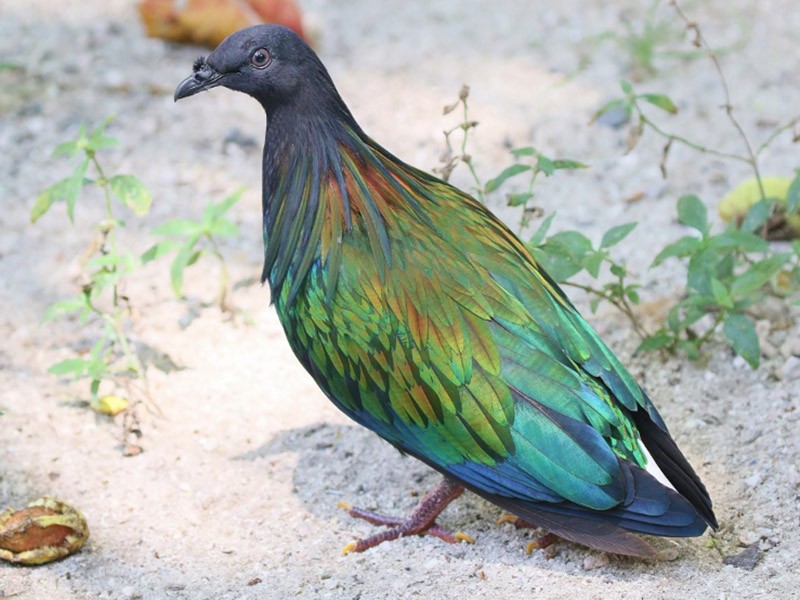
(423, 318)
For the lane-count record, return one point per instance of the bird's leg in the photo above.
(542, 542)
(422, 521)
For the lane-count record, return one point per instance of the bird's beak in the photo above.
(203, 78)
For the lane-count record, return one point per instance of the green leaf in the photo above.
(178, 228)
(692, 212)
(618, 270)
(702, 267)
(214, 211)
(743, 337)
(66, 189)
(757, 215)
(611, 105)
(682, 248)
(181, 261)
(224, 228)
(74, 187)
(592, 263)
(66, 148)
(74, 145)
(661, 101)
(691, 348)
(132, 192)
(627, 88)
(657, 341)
(615, 235)
(98, 142)
(757, 276)
(48, 197)
(64, 307)
(506, 174)
(122, 263)
(545, 165)
(793, 195)
(98, 139)
(70, 366)
(721, 293)
(538, 237)
(519, 199)
(526, 151)
(565, 163)
(557, 261)
(158, 250)
(562, 255)
(194, 257)
(744, 241)
(577, 243)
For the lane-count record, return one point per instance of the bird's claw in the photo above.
(463, 537)
(349, 548)
(543, 542)
(507, 518)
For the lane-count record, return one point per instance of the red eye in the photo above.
(260, 58)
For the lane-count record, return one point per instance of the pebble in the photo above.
(668, 554)
(430, 564)
(791, 347)
(595, 561)
(790, 369)
(694, 423)
(739, 363)
(748, 538)
(768, 350)
(753, 480)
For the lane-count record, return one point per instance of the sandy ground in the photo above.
(235, 493)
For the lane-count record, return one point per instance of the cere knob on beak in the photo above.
(203, 77)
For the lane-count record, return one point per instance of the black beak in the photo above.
(203, 78)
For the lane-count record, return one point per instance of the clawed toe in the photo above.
(422, 520)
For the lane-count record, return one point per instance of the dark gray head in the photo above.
(270, 63)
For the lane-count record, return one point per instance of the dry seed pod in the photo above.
(44, 531)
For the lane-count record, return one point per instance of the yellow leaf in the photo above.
(110, 405)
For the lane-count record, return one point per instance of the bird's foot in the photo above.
(422, 521)
(543, 542)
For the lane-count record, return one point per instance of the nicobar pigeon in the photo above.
(422, 317)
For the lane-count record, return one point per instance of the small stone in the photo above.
(694, 423)
(790, 369)
(791, 347)
(753, 480)
(747, 559)
(739, 362)
(768, 350)
(595, 561)
(748, 538)
(668, 554)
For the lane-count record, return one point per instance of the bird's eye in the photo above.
(260, 58)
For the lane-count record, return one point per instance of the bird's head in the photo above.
(269, 62)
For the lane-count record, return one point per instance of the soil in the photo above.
(244, 461)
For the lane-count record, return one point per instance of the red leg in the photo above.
(422, 521)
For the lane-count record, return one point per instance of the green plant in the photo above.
(450, 160)
(106, 266)
(194, 239)
(727, 273)
(651, 40)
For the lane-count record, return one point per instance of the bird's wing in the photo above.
(465, 354)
